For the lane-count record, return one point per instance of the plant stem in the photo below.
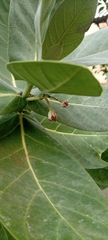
(48, 103)
(34, 98)
(27, 90)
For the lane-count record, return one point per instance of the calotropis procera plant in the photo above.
(53, 122)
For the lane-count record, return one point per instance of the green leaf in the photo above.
(46, 194)
(41, 23)
(46, 9)
(92, 51)
(4, 12)
(57, 4)
(4, 234)
(8, 123)
(86, 113)
(22, 30)
(57, 77)
(39, 107)
(10, 101)
(67, 27)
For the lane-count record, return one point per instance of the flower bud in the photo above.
(52, 116)
(64, 104)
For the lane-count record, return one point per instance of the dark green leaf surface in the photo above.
(22, 30)
(50, 196)
(100, 176)
(47, 7)
(67, 27)
(86, 113)
(4, 234)
(8, 123)
(39, 107)
(105, 155)
(57, 77)
(92, 51)
(10, 101)
(4, 12)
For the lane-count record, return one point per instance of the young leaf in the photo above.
(57, 77)
(22, 30)
(4, 12)
(41, 23)
(49, 194)
(67, 27)
(92, 51)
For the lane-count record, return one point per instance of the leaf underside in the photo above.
(92, 51)
(4, 12)
(57, 77)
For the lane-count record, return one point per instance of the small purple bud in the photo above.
(64, 104)
(52, 116)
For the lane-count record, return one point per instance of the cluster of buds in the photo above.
(52, 116)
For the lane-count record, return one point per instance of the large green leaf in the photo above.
(67, 26)
(92, 51)
(86, 113)
(45, 194)
(57, 77)
(22, 31)
(4, 12)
